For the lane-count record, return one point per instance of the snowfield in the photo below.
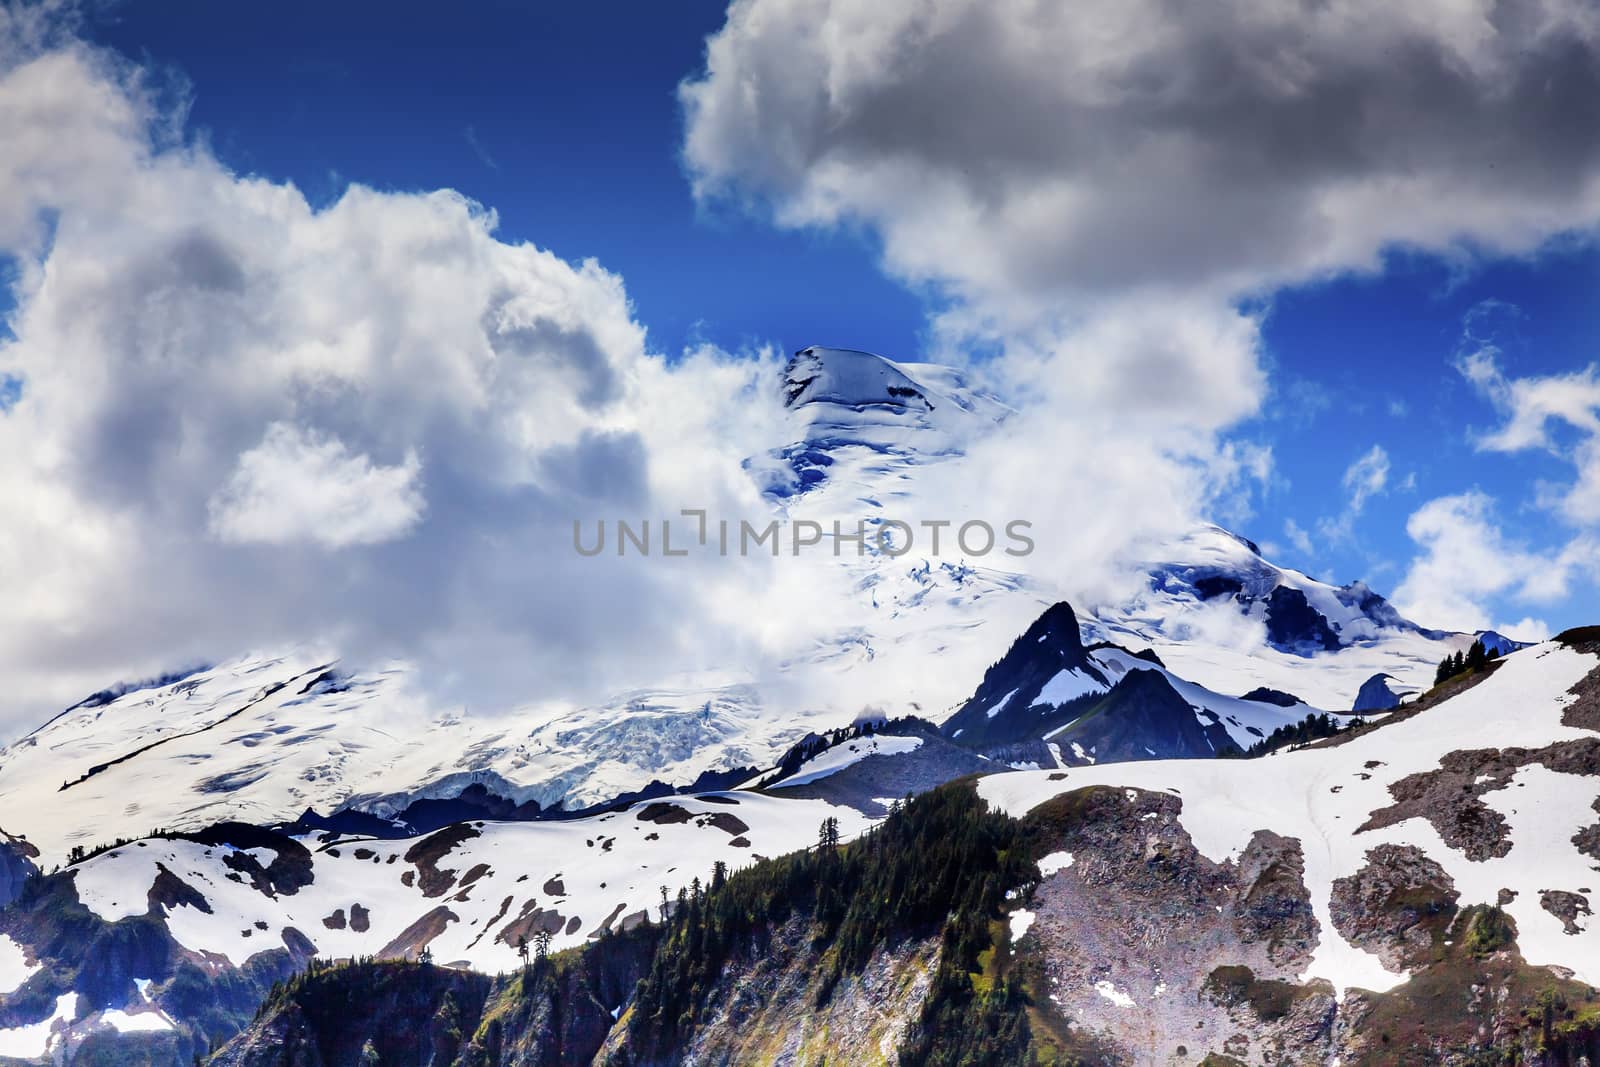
(471, 894)
(261, 739)
(1322, 796)
(14, 966)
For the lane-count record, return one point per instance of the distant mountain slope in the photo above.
(1120, 915)
(864, 421)
(1105, 704)
(1311, 902)
(263, 739)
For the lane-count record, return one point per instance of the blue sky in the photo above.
(565, 120)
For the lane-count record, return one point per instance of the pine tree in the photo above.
(1444, 671)
(1476, 657)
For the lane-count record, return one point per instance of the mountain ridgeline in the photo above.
(1397, 866)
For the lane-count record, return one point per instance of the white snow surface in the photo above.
(1055, 861)
(1247, 721)
(36, 1040)
(848, 753)
(914, 636)
(1321, 796)
(1021, 922)
(14, 966)
(587, 871)
(1000, 705)
(126, 1022)
(246, 741)
(1217, 645)
(1113, 994)
(1066, 686)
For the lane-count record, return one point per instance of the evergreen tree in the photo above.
(1476, 657)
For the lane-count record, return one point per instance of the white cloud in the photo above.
(1366, 477)
(1074, 181)
(1298, 537)
(1535, 408)
(297, 485)
(1467, 564)
(1525, 629)
(221, 384)
(1027, 156)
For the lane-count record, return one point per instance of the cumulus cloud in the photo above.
(1023, 155)
(1298, 537)
(1366, 477)
(1557, 413)
(1466, 564)
(299, 486)
(1074, 182)
(373, 422)
(238, 420)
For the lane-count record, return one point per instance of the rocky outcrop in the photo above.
(1005, 706)
(1153, 950)
(1451, 797)
(1398, 906)
(16, 866)
(1143, 717)
(1376, 695)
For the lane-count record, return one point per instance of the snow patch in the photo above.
(1056, 861)
(14, 966)
(1113, 994)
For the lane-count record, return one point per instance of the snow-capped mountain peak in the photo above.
(858, 417)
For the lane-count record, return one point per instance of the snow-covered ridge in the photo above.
(467, 892)
(262, 739)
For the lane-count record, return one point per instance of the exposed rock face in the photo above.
(771, 1011)
(1001, 708)
(1397, 906)
(866, 784)
(1451, 797)
(1376, 695)
(16, 864)
(1276, 697)
(1132, 935)
(1571, 908)
(1144, 717)
(1295, 626)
